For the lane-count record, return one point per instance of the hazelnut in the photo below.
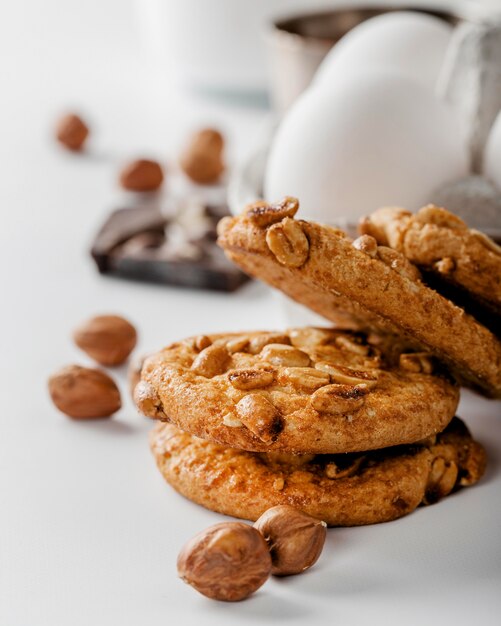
(84, 393)
(142, 175)
(227, 561)
(108, 339)
(295, 539)
(71, 132)
(202, 160)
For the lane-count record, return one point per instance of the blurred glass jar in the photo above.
(214, 45)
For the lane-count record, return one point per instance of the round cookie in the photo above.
(342, 490)
(442, 245)
(307, 391)
(376, 286)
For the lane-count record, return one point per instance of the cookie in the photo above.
(443, 247)
(376, 286)
(342, 490)
(308, 390)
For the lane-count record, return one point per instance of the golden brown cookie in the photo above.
(342, 490)
(308, 390)
(441, 244)
(377, 286)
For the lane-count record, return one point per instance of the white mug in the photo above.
(215, 45)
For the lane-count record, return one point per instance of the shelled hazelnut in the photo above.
(108, 339)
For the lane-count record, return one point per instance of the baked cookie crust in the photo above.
(376, 286)
(440, 243)
(307, 390)
(342, 490)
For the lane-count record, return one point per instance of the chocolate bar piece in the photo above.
(142, 244)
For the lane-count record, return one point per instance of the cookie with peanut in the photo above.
(462, 262)
(342, 490)
(375, 281)
(306, 390)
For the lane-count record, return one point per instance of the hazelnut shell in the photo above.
(84, 393)
(142, 175)
(71, 132)
(228, 561)
(202, 159)
(295, 539)
(108, 339)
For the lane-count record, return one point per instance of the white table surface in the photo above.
(89, 532)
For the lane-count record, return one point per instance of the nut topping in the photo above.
(264, 214)
(351, 345)
(336, 399)
(367, 244)
(84, 393)
(309, 337)
(295, 540)
(348, 376)
(108, 339)
(201, 342)
(446, 265)
(303, 378)
(418, 362)
(397, 261)
(441, 481)
(237, 345)
(473, 465)
(257, 343)
(212, 361)
(260, 416)
(228, 561)
(148, 402)
(231, 421)
(279, 354)
(278, 484)
(486, 241)
(251, 378)
(288, 243)
(333, 471)
(439, 216)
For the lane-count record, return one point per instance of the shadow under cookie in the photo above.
(343, 490)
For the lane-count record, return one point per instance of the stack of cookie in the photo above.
(351, 426)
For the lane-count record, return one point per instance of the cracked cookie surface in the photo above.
(343, 490)
(308, 390)
(375, 286)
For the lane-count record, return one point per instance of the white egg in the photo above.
(375, 139)
(405, 41)
(492, 155)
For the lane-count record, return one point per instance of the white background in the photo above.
(89, 532)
